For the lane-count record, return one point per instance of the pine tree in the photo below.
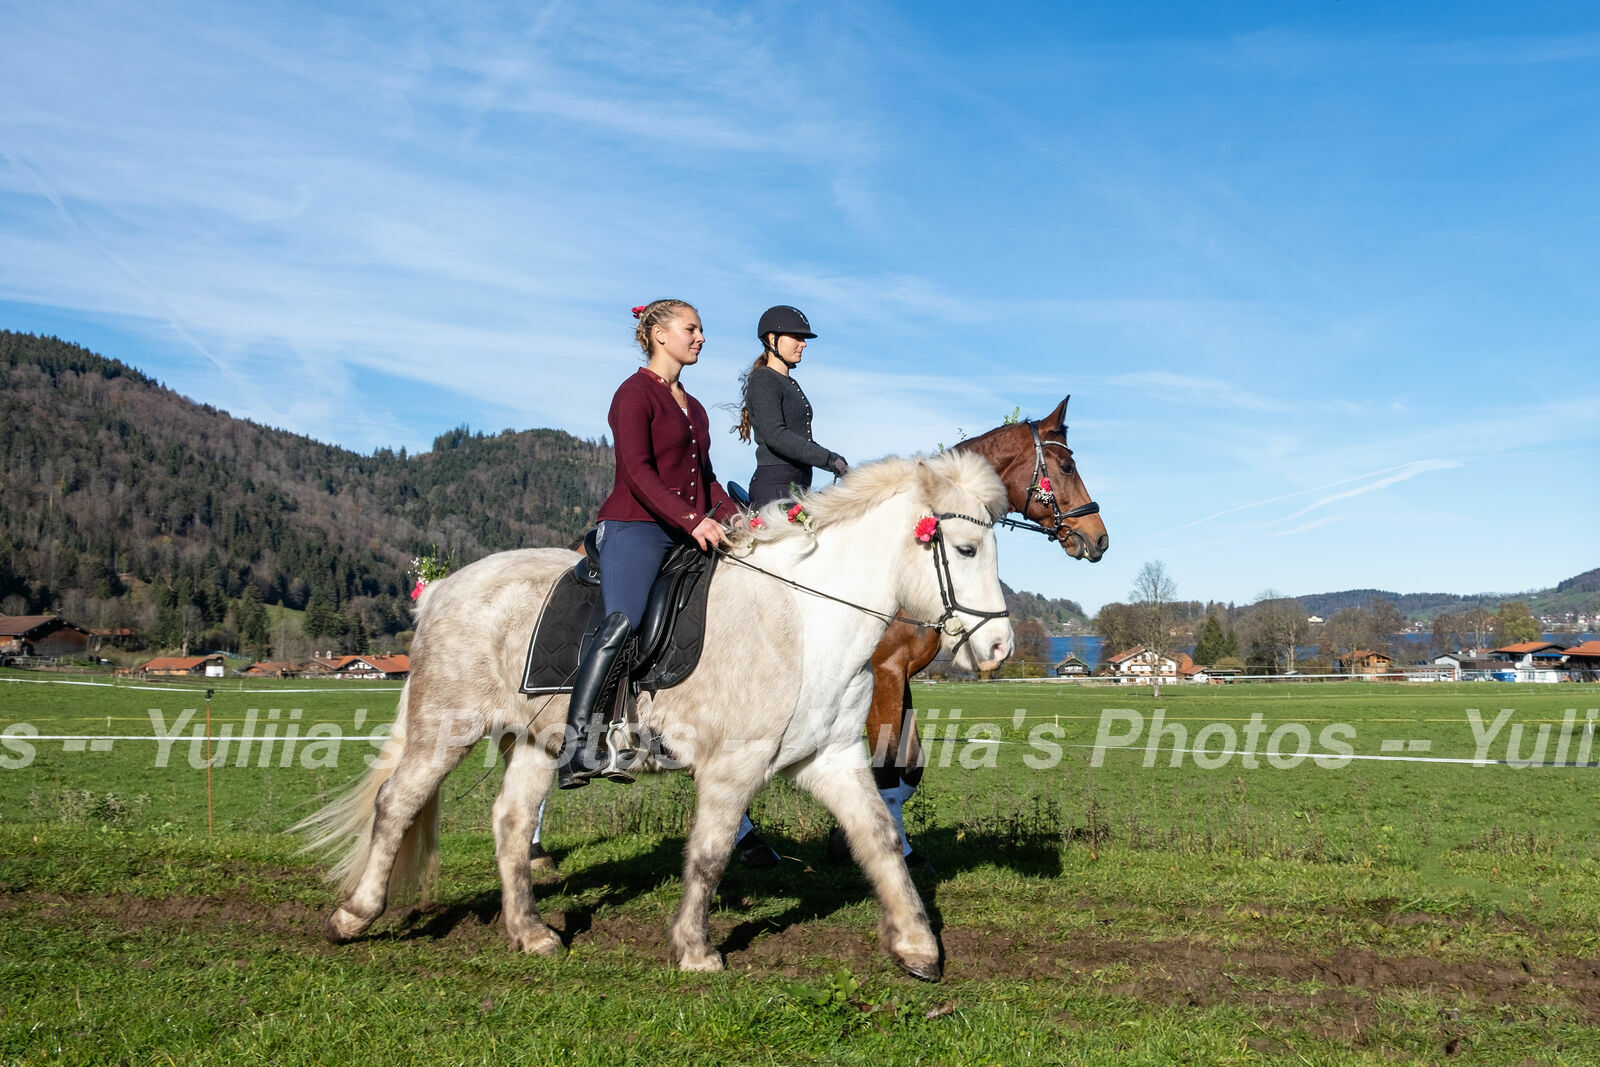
(1211, 646)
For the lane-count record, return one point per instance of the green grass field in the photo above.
(1226, 898)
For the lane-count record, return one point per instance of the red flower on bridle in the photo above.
(927, 526)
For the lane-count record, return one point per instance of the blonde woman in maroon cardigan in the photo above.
(665, 493)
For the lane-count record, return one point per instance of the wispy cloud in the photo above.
(1404, 474)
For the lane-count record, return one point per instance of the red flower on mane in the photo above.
(794, 512)
(927, 526)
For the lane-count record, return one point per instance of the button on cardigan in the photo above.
(663, 458)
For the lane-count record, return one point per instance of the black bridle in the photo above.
(947, 590)
(1047, 497)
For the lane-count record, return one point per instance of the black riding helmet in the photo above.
(783, 319)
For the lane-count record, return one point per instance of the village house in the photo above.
(44, 636)
(1071, 667)
(1365, 661)
(1583, 662)
(213, 666)
(1534, 661)
(1464, 667)
(372, 668)
(1142, 666)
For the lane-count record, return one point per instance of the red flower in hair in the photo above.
(639, 310)
(418, 590)
(756, 523)
(927, 526)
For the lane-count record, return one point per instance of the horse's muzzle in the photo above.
(1086, 546)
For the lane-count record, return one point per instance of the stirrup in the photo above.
(621, 756)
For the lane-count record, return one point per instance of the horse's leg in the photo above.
(723, 790)
(897, 756)
(527, 783)
(413, 789)
(843, 784)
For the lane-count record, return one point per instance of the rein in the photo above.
(947, 591)
(1037, 491)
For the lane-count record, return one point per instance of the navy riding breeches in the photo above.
(630, 558)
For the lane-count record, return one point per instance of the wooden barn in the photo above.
(44, 636)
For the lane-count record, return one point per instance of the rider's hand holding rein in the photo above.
(709, 534)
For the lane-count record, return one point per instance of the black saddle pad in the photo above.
(672, 635)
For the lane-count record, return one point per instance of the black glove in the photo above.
(837, 464)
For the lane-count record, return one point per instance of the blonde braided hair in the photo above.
(654, 314)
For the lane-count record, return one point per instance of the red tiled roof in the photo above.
(17, 625)
(1525, 647)
(1588, 648)
(386, 664)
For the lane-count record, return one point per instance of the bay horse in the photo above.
(783, 687)
(1043, 486)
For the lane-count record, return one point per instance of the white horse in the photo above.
(783, 686)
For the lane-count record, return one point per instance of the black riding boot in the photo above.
(601, 669)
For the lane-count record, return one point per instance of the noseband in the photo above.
(1047, 497)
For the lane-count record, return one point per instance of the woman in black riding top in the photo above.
(777, 412)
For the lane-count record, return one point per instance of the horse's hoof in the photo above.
(540, 860)
(343, 926)
(927, 971)
(708, 960)
(541, 942)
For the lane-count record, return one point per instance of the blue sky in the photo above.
(1321, 278)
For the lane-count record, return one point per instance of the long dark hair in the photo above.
(743, 429)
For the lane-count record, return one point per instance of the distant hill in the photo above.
(1576, 595)
(114, 484)
(1056, 615)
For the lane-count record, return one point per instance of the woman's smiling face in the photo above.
(680, 338)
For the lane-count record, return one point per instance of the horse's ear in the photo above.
(927, 483)
(1058, 417)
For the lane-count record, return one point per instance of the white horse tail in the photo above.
(348, 821)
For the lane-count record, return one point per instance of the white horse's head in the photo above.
(952, 572)
(933, 518)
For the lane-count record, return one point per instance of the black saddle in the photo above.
(670, 637)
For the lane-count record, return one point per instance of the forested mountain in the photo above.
(112, 484)
(1056, 615)
(1579, 594)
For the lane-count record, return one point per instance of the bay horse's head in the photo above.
(1044, 486)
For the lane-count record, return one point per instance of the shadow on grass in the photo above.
(815, 885)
